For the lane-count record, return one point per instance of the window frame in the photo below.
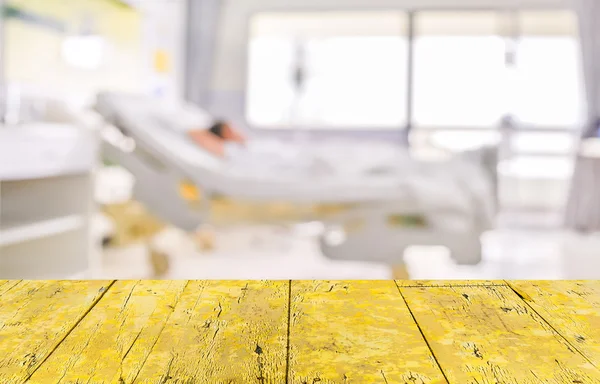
(506, 133)
(403, 132)
(395, 132)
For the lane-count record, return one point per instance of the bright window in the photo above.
(459, 62)
(270, 89)
(532, 167)
(470, 69)
(454, 140)
(547, 84)
(560, 143)
(355, 67)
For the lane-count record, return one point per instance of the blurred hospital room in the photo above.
(300, 139)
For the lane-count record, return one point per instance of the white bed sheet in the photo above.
(457, 186)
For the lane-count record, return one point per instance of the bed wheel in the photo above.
(468, 255)
(159, 262)
(400, 272)
(205, 239)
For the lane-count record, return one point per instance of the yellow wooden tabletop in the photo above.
(313, 332)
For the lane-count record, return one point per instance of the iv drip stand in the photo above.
(299, 77)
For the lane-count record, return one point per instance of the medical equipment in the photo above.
(373, 214)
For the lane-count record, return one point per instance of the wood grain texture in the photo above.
(7, 285)
(449, 283)
(355, 332)
(223, 332)
(487, 334)
(35, 316)
(115, 338)
(180, 332)
(572, 308)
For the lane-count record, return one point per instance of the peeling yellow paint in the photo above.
(115, 338)
(496, 337)
(223, 332)
(318, 332)
(34, 319)
(356, 332)
(572, 308)
(449, 283)
(7, 285)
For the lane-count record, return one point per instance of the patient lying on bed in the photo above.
(272, 156)
(218, 138)
(269, 157)
(212, 135)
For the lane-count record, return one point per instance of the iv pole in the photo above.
(299, 79)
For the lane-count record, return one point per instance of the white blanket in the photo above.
(346, 160)
(461, 185)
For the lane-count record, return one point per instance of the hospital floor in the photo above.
(515, 251)
(525, 246)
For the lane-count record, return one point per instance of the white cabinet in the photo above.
(46, 201)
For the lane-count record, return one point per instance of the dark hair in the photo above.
(218, 129)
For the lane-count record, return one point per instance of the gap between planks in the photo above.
(526, 300)
(421, 331)
(289, 325)
(8, 285)
(94, 303)
(187, 283)
(428, 284)
(453, 286)
(448, 283)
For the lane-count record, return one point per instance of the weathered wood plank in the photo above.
(223, 332)
(35, 317)
(572, 308)
(7, 285)
(488, 334)
(111, 343)
(356, 332)
(448, 283)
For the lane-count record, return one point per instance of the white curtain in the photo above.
(2, 72)
(583, 208)
(203, 18)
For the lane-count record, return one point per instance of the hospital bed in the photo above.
(372, 215)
